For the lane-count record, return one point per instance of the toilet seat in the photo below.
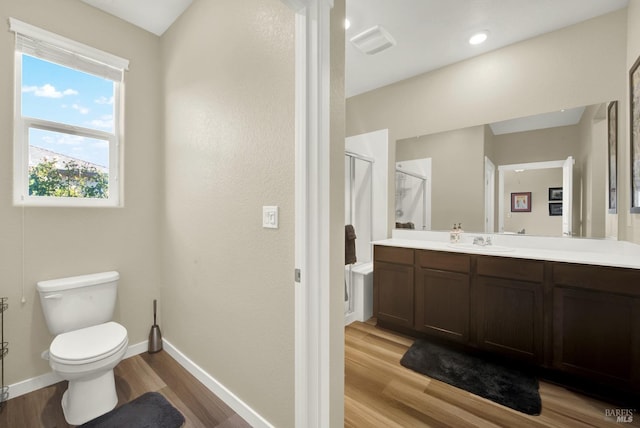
(88, 344)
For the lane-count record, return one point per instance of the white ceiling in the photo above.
(430, 34)
(433, 33)
(539, 121)
(154, 16)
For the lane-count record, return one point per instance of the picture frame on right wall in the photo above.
(634, 114)
(555, 208)
(612, 165)
(555, 193)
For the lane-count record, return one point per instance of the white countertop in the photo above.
(599, 252)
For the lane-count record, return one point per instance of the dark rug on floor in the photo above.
(503, 384)
(150, 410)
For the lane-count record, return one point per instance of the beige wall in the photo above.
(229, 125)
(456, 156)
(70, 241)
(580, 65)
(538, 182)
(536, 146)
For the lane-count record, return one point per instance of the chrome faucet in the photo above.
(479, 240)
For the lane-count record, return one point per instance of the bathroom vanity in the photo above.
(574, 308)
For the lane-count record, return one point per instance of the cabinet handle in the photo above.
(53, 296)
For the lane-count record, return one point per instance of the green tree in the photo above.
(73, 180)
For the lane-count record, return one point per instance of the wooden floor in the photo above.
(134, 376)
(379, 392)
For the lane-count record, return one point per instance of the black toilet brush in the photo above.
(155, 337)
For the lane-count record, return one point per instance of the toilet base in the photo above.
(87, 398)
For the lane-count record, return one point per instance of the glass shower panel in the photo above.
(410, 200)
(358, 213)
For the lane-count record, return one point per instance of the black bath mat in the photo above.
(150, 410)
(503, 384)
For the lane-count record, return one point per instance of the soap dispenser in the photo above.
(453, 235)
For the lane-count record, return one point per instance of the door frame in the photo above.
(567, 184)
(489, 195)
(312, 226)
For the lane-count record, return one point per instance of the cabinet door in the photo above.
(510, 318)
(442, 304)
(597, 334)
(393, 288)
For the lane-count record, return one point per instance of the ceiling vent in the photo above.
(373, 40)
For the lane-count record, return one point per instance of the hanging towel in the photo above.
(407, 225)
(349, 245)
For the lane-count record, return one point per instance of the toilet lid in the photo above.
(88, 344)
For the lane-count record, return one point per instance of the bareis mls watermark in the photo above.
(620, 415)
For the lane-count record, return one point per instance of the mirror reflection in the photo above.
(475, 175)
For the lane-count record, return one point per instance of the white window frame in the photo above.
(22, 125)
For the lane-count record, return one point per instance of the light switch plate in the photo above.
(270, 217)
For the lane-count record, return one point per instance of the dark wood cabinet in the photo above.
(509, 307)
(393, 286)
(442, 295)
(596, 332)
(578, 319)
(509, 318)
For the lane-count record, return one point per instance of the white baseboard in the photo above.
(33, 384)
(29, 385)
(252, 417)
(230, 399)
(137, 349)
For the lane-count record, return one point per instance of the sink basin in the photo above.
(482, 248)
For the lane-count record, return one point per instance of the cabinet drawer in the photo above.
(397, 255)
(502, 267)
(600, 278)
(444, 261)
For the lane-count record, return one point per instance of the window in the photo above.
(67, 124)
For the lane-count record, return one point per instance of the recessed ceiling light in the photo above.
(347, 24)
(478, 38)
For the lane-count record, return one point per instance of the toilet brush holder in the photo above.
(155, 336)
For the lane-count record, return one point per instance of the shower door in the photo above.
(411, 208)
(358, 213)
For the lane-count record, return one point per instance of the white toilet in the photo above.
(88, 345)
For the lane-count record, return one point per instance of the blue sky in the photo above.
(56, 93)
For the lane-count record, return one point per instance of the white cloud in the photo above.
(48, 91)
(100, 144)
(105, 122)
(70, 140)
(80, 109)
(62, 140)
(104, 100)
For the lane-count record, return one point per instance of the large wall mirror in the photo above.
(458, 122)
(475, 175)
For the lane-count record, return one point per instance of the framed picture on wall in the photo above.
(634, 95)
(555, 208)
(612, 165)
(555, 193)
(521, 202)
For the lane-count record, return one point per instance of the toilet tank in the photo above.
(78, 301)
